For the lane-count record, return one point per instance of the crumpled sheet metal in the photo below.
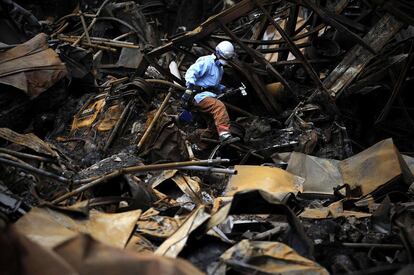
(321, 175)
(49, 228)
(175, 244)
(28, 140)
(252, 257)
(157, 226)
(140, 244)
(410, 162)
(32, 66)
(87, 115)
(334, 210)
(110, 118)
(260, 202)
(81, 255)
(376, 166)
(188, 185)
(95, 112)
(275, 181)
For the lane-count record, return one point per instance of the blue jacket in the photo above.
(205, 72)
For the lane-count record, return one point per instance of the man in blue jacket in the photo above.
(203, 85)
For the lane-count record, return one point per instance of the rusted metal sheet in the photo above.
(156, 226)
(81, 254)
(173, 245)
(374, 167)
(49, 228)
(261, 202)
(275, 181)
(334, 210)
(31, 67)
(321, 175)
(266, 258)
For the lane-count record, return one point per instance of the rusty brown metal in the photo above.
(275, 181)
(32, 66)
(28, 140)
(49, 227)
(81, 254)
(267, 258)
(375, 167)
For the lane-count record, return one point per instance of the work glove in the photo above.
(186, 98)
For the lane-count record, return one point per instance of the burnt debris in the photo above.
(99, 157)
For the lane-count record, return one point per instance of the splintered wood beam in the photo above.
(357, 58)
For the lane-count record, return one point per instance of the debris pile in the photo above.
(98, 156)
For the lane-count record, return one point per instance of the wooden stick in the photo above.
(88, 44)
(92, 23)
(118, 124)
(85, 28)
(155, 119)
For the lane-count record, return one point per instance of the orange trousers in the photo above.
(217, 110)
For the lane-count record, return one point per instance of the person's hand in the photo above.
(186, 98)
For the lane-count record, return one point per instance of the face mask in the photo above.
(223, 62)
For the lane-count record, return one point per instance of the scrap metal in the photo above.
(95, 160)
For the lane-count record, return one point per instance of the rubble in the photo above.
(98, 157)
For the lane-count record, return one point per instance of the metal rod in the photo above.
(210, 169)
(138, 169)
(91, 24)
(105, 42)
(295, 50)
(25, 155)
(88, 44)
(85, 28)
(154, 120)
(117, 125)
(35, 170)
(271, 42)
(174, 71)
(60, 30)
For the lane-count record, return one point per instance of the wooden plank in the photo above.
(357, 58)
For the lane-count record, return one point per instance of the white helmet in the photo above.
(225, 50)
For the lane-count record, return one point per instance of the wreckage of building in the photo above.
(99, 173)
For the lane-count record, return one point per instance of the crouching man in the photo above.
(203, 85)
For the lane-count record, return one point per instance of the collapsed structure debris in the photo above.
(98, 158)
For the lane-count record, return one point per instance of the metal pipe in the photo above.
(174, 71)
(25, 155)
(85, 28)
(92, 23)
(117, 125)
(139, 169)
(294, 48)
(35, 170)
(155, 119)
(210, 169)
